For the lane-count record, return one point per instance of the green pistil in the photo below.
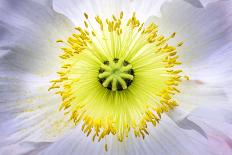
(116, 75)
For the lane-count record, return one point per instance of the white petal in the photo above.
(166, 138)
(147, 8)
(195, 3)
(202, 3)
(195, 93)
(23, 148)
(75, 143)
(31, 115)
(207, 38)
(206, 2)
(219, 117)
(208, 105)
(215, 121)
(29, 57)
(206, 58)
(206, 33)
(74, 9)
(30, 36)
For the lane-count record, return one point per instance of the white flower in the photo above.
(166, 91)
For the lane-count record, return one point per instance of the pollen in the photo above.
(117, 76)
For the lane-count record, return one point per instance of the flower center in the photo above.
(116, 75)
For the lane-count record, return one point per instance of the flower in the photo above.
(115, 77)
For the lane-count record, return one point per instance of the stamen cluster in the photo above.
(117, 77)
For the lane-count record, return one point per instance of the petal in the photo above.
(31, 113)
(206, 33)
(147, 8)
(29, 56)
(31, 36)
(166, 138)
(207, 38)
(195, 93)
(194, 96)
(201, 3)
(23, 148)
(216, 121)
(195, 3)
(74, 9)
(218, 117)
(206, 2)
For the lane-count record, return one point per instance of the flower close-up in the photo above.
(115, 77)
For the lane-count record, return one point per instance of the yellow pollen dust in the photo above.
(102, 108)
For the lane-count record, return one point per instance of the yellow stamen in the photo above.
(111, 72)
